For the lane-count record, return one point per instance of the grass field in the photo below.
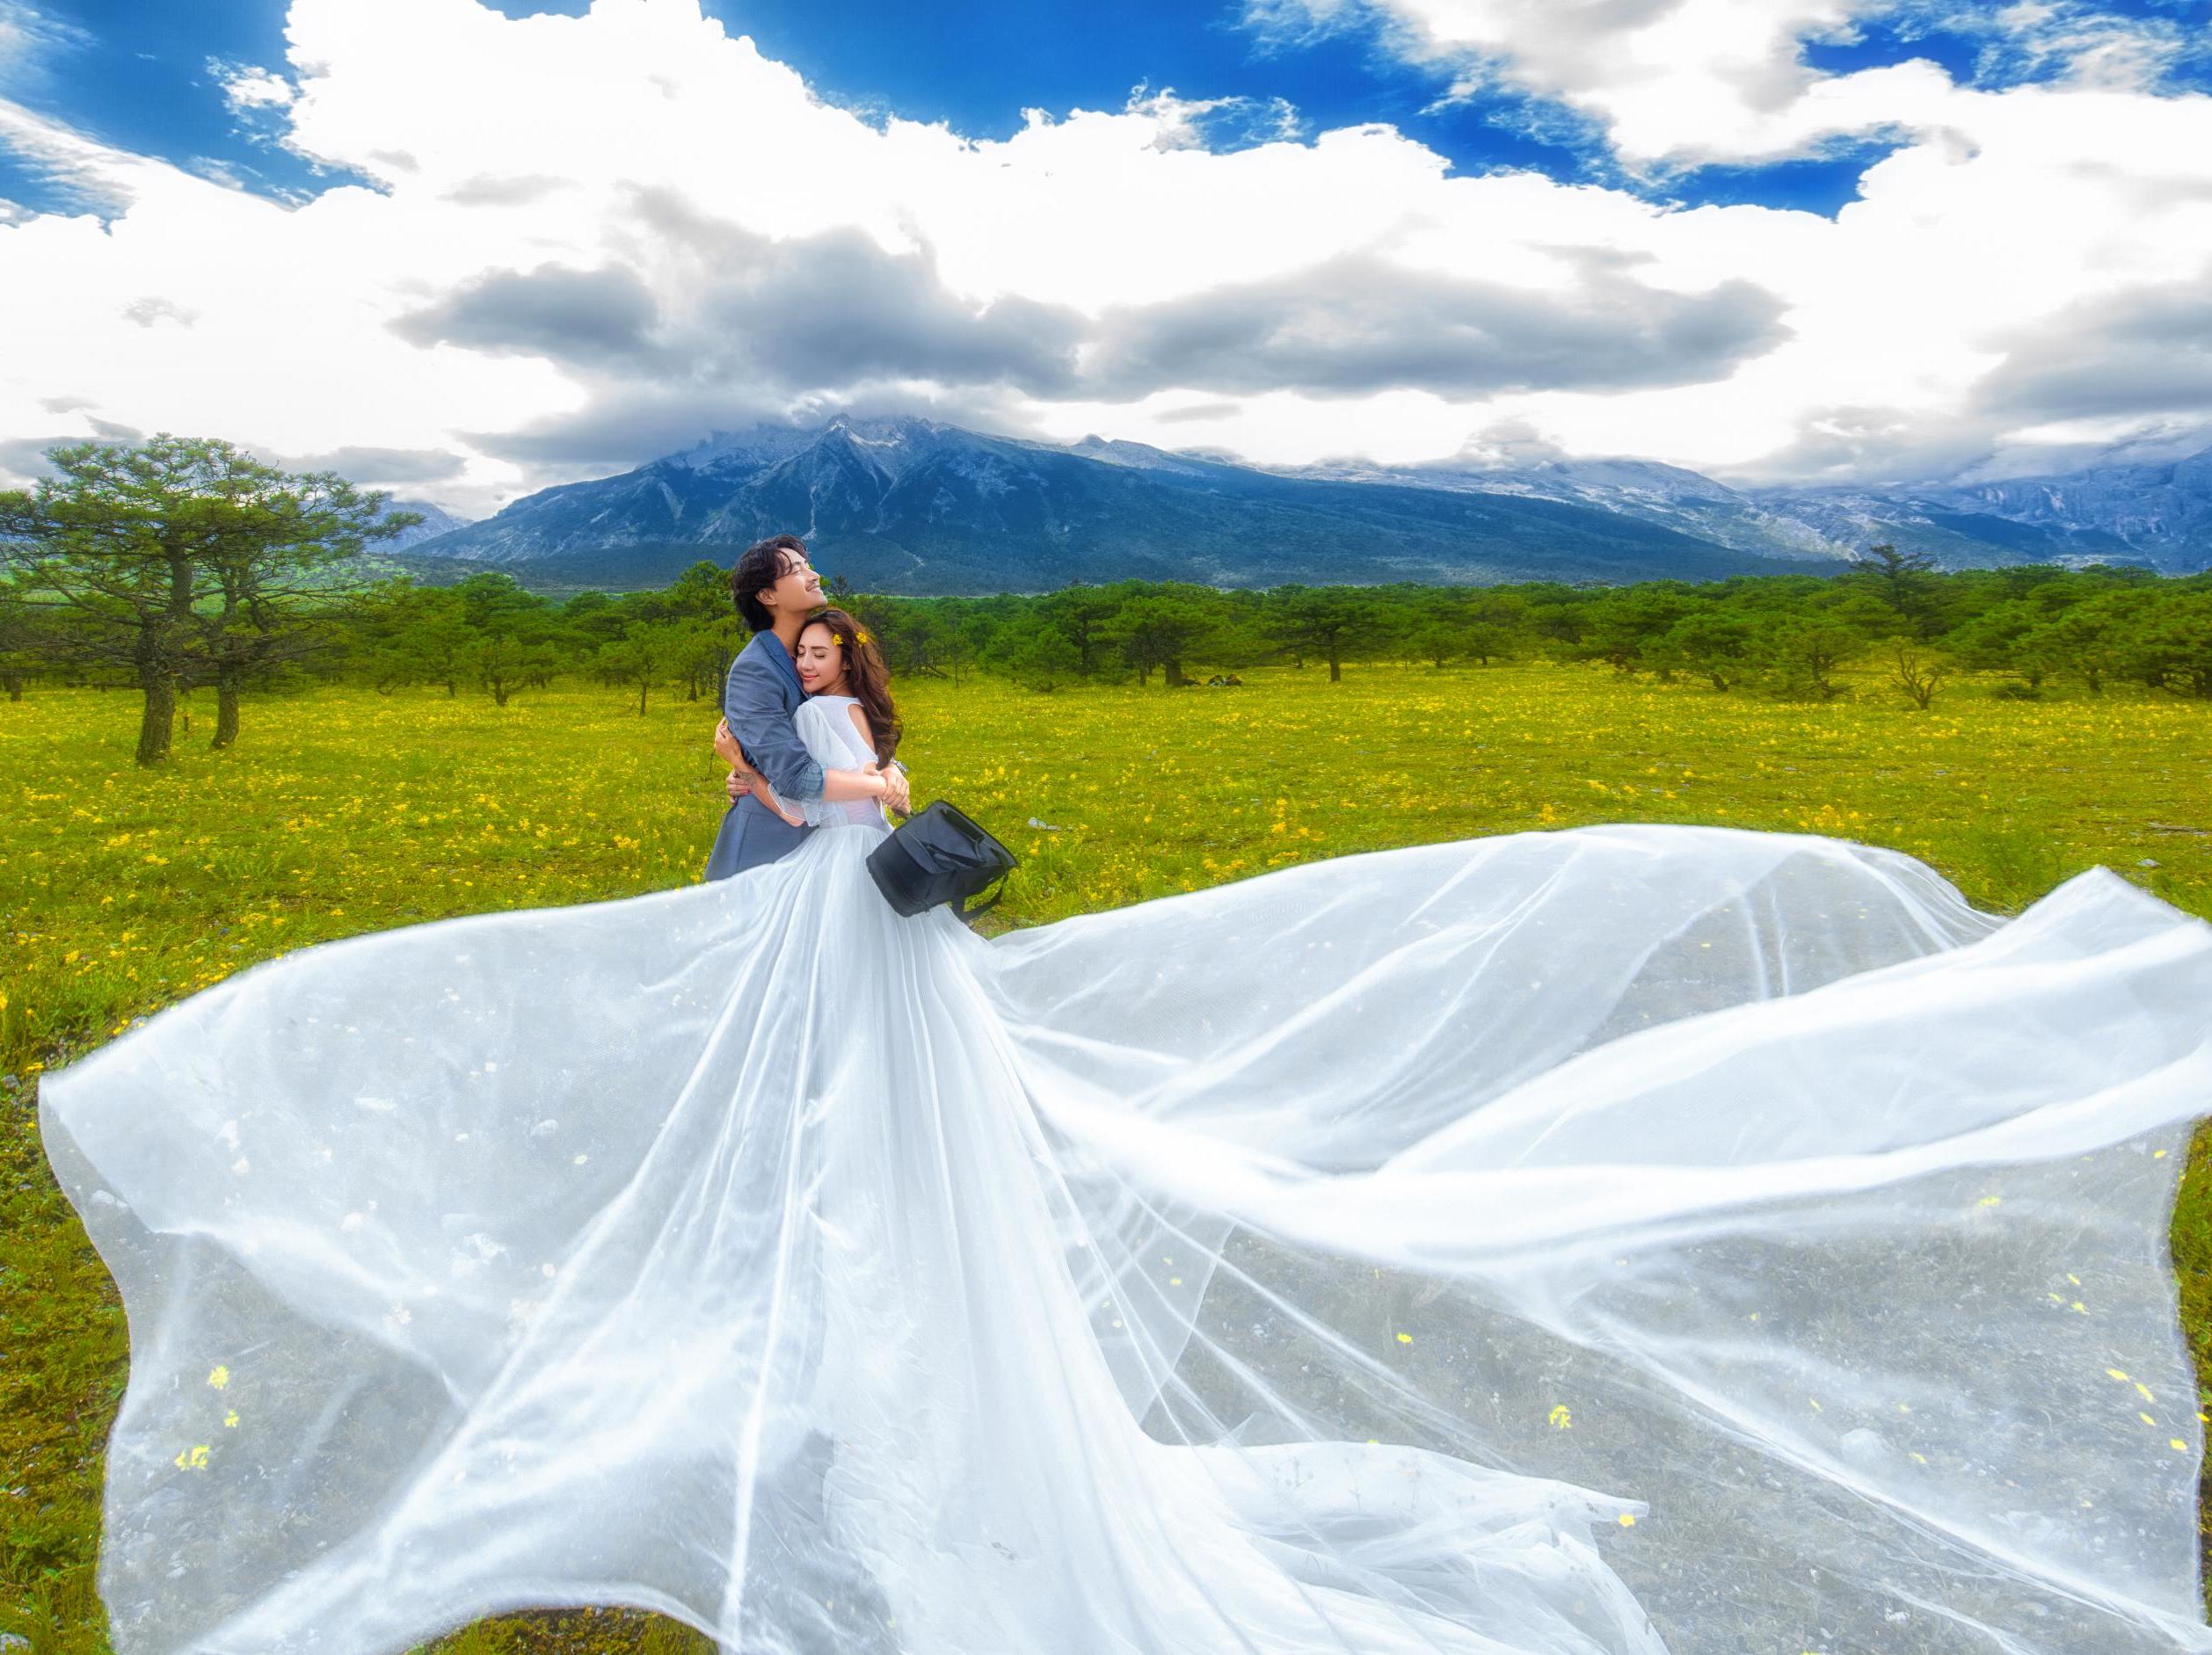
(343, 811)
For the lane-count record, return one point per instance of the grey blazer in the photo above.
(762, 693)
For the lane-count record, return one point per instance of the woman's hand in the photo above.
(726, 745)
(742, 778)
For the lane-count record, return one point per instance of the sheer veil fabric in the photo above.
(1603, 1241)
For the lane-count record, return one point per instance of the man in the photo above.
(776, 590)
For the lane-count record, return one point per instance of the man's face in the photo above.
(796, 590)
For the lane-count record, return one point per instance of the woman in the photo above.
(852, 686)
(1627, 1240)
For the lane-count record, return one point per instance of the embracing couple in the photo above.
(809, 690)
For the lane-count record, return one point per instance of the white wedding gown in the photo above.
(1622, 1240)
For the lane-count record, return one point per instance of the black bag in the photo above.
(939, 855)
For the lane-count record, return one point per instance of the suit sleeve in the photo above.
(753, 704)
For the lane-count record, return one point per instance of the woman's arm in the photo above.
(868, 782)
(837, 787)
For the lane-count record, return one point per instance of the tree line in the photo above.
(182, 563)
(1892, 624)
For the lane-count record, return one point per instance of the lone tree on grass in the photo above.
(1155, 629)
(1084, 614)
(1802, 653)
(518, 638)
(1908, 585)
(1916, 672)
(644, 657)
(1328, 623)
(181, 560)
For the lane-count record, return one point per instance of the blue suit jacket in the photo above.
(762, 693)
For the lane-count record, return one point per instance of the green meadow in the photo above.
(343, 810)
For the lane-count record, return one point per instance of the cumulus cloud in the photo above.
(152, 309)
(23, 459)
(2142, 351)
(582, 242)
(377, 467)
(579, 317)
(515, 192)
(247, 87)
(1193, 413)
(1670, 83)
(836, 307)
(1663, 79)
(1356, 324)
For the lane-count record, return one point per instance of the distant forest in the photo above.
(183, 564)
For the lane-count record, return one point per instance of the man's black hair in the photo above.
(760, 567)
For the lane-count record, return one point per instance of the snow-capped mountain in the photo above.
(915, 506)
(1669, 496)
(436, 520)
(2156, 514)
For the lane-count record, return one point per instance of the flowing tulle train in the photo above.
(1619, 1240)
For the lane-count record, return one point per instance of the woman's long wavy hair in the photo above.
(867, 679)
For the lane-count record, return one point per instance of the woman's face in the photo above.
(821, 663)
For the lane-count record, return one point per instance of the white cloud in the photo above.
(1670, 83)
(1663, 79)
(586, 241)
(248, 86)
(30, 40)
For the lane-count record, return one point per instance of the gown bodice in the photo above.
(827, 729)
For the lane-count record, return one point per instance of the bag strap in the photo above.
(970, 915)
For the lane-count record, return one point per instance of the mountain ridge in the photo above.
(913, 505)
(910, 504)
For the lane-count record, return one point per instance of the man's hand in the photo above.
(736, 786)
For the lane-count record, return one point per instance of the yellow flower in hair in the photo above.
(863, 638)
(837, 637)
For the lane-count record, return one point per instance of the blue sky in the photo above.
(1855, 241)
(139, 78)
